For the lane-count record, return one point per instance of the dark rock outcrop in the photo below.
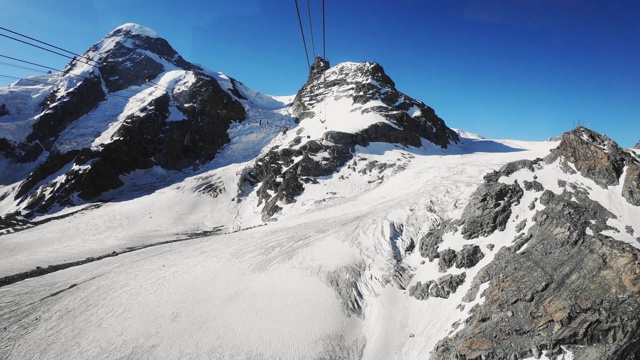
(600, 159)
(572, 287)
(145, 138)
(469, 256)
(282, 179)
(61, 110)
(430, 241)
(489, 209)
(363, 83)
(129, 61)
(631, 185)
(567, 288)
(443, 288)
(594, 156)
(3, 110)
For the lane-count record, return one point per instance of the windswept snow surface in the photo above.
(278, 291)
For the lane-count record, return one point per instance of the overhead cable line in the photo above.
(324, 36)
(80, 58)
(29, 62)
(43, 48)
(40, 41)
(20, 67)
(313, 42)
(304, 42)
(47, 67)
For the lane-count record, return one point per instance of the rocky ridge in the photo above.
(365, 90)
(568, 280)
(175, 116)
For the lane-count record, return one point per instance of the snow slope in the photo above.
(267, 292)
(196, 273)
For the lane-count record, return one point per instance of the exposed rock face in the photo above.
(429, 243)
(130, 62)
(282, 178)
(564, 283)
(468, 257)
(280, 175)
(489, 209)
(566, 288)
(363, 83)
(637, 145)
(67, 102)
(594, 156)
(443, 288)
(144, 140)
(129, 56)
(62, 108)
(631, 185)
(600, 159)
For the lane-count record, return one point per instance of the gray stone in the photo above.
(631, 185)
(468, 257)
(447, 259)
(533, 185)
(430, 241)
(569, 287)
(629, 230)
(339, 147)
(595, 156)
(489, 209)
(443, 288)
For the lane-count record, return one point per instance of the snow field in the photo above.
(259, 293)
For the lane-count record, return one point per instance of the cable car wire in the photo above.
(40, 41)
(304, 42)
(313, 42)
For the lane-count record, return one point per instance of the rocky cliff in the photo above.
(339, 109)
(568, 279)
(129, 103)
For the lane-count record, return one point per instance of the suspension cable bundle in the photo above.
(76, 57)
(302, 32)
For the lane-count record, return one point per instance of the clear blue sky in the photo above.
(525, 69)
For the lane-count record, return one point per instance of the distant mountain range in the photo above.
(151, 208)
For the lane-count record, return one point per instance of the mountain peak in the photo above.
(365, 89)
(133, 29)
(130, 55)
(594, 155)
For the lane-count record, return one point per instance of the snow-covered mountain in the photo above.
(154, 209)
